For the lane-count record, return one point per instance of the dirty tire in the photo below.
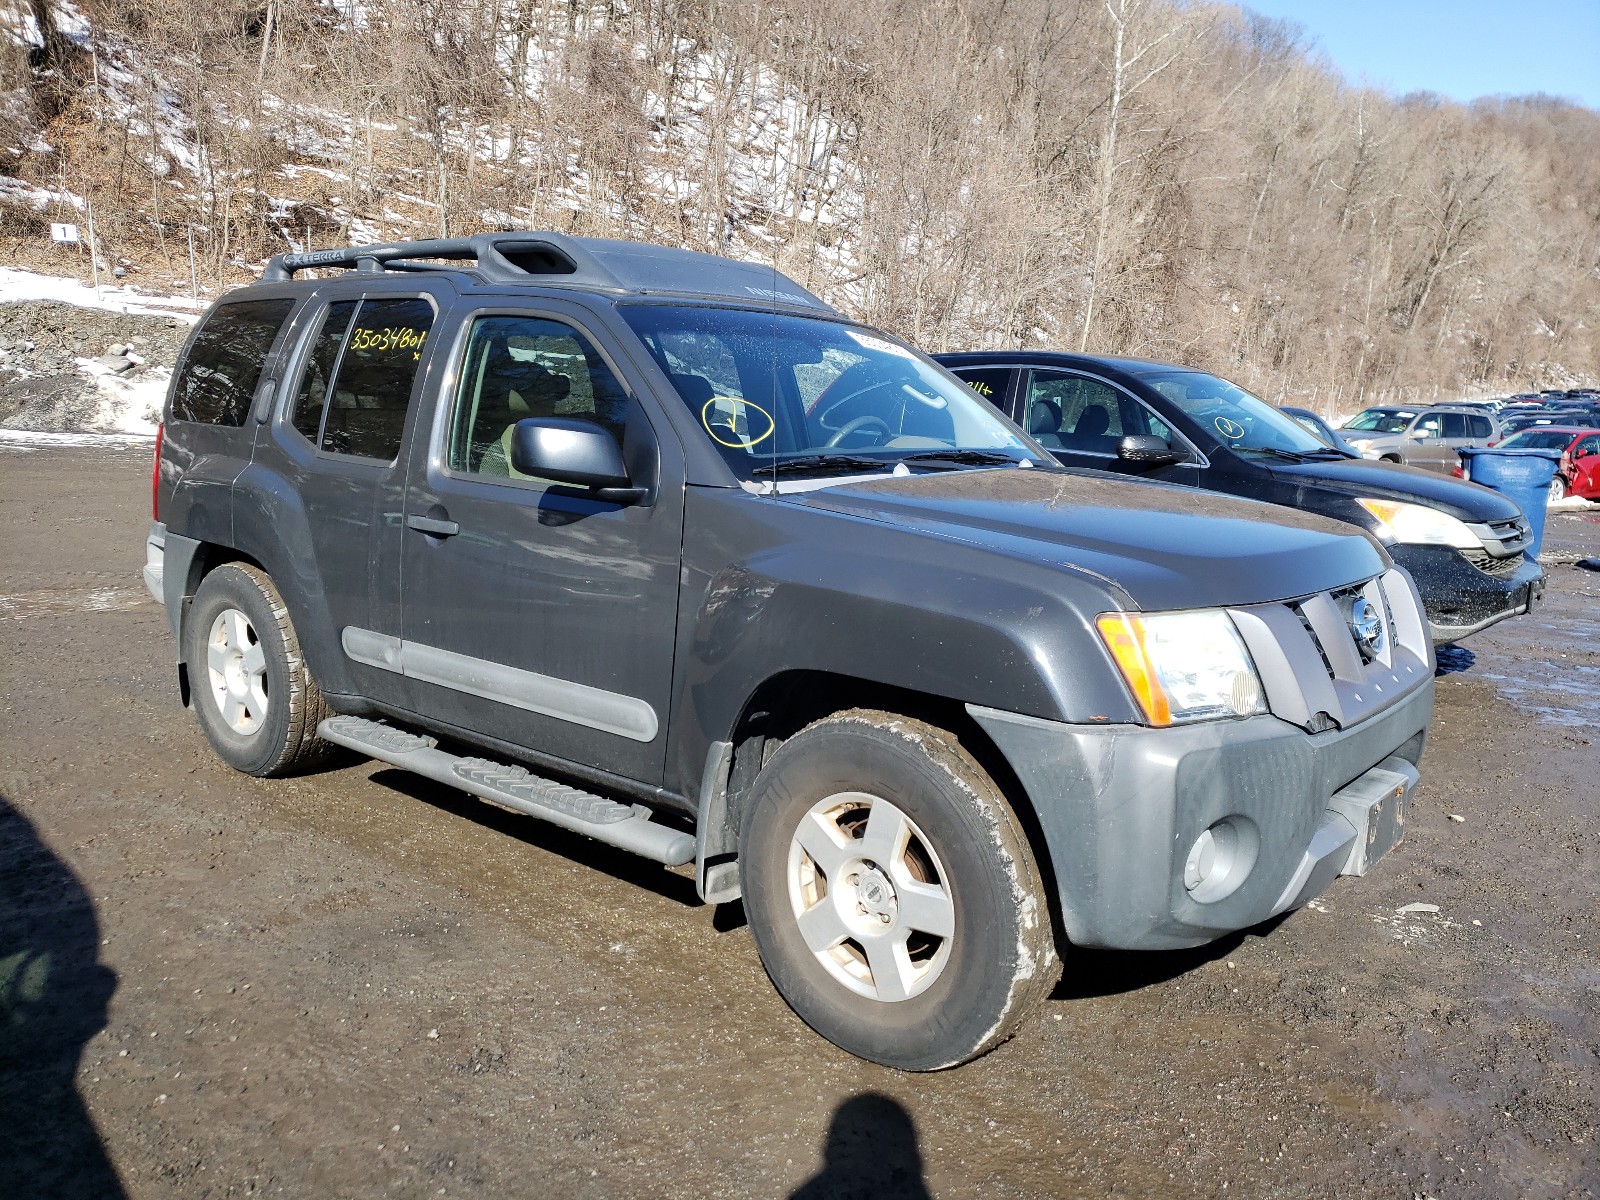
(999, 961)
(282, 738)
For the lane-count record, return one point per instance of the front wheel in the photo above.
(892, 893)
(1558, 489)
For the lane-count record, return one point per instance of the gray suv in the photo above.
(1420, 437)
(661, 549)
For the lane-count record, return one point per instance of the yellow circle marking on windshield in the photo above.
(744, 443)
(1229, 429)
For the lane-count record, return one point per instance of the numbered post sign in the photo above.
(62, 232)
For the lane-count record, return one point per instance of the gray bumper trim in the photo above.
(1120, 807)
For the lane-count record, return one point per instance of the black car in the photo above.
(1463, 544)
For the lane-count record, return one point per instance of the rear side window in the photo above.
(1481, 427)
(356, 387)
(223, 366)
(1455, 425)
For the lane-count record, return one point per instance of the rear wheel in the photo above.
(1558, 489)
(256, 702)
(892, 894)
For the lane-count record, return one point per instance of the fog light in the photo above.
(1220, 859)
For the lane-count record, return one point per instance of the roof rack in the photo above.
(557, 260)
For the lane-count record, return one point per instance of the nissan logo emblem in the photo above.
(1366, 626)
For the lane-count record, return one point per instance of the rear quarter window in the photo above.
(218, 378)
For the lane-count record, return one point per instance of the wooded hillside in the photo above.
(1132, 176)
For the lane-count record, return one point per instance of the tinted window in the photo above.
(320, 364)
(1481, 428)
(366, 410)
(517, 367)
(1073, 412)
(219, 374)
(989, 382)
(1455, 425)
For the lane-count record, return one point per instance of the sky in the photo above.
(1462, 49)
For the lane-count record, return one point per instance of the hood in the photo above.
(1166, 547)
(1468, 502)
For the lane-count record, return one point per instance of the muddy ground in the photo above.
(358, 983)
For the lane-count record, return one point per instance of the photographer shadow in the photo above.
(53, 997)
(871, 1154)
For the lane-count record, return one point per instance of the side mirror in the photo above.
(1148, 450)
(573, 451)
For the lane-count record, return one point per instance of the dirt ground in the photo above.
(358, 983)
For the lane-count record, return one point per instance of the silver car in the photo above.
(1421, 436)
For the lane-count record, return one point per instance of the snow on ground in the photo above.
(32, 439)
(26, 285)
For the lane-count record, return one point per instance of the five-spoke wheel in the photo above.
(892, 893)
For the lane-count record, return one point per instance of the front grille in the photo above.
(1314, 672)
(1513, 534)
(1500, 568)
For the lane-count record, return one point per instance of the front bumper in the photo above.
(1122, 809)
(1461, 599)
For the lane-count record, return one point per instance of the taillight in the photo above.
(155, 474)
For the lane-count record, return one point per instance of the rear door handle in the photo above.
(437, 526)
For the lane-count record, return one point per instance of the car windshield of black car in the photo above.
(1231, 415)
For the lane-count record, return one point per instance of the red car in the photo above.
(1584, 481)
(1580, 457)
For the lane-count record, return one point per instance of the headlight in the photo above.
(1183, 666)
(1419, 525)
(1361, 444)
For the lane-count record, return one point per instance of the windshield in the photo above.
(777, 392)
(1381, 420)
(1538, 439)
(1232, 416)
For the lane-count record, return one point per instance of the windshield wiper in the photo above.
(822, 463)
(965, 458)
(1291, 455)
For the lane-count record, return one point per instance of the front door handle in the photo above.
(437, 526)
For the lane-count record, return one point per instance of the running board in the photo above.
(627, 827)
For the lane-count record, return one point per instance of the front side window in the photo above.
(517, 367)
(1074, 412)
(355, 389)
(776, 392)
(1427, 427)
(220, 372)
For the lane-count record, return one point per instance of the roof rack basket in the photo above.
(558, 260)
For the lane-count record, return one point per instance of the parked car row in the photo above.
(662, 549)
(1578, 472)
(1463, 545)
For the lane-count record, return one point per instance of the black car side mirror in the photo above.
(573, 451)
(1148, 450)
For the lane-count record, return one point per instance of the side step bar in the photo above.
(516, 788)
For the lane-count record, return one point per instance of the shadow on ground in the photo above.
(871, 1154)
(53, 997)
(1453, 658)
